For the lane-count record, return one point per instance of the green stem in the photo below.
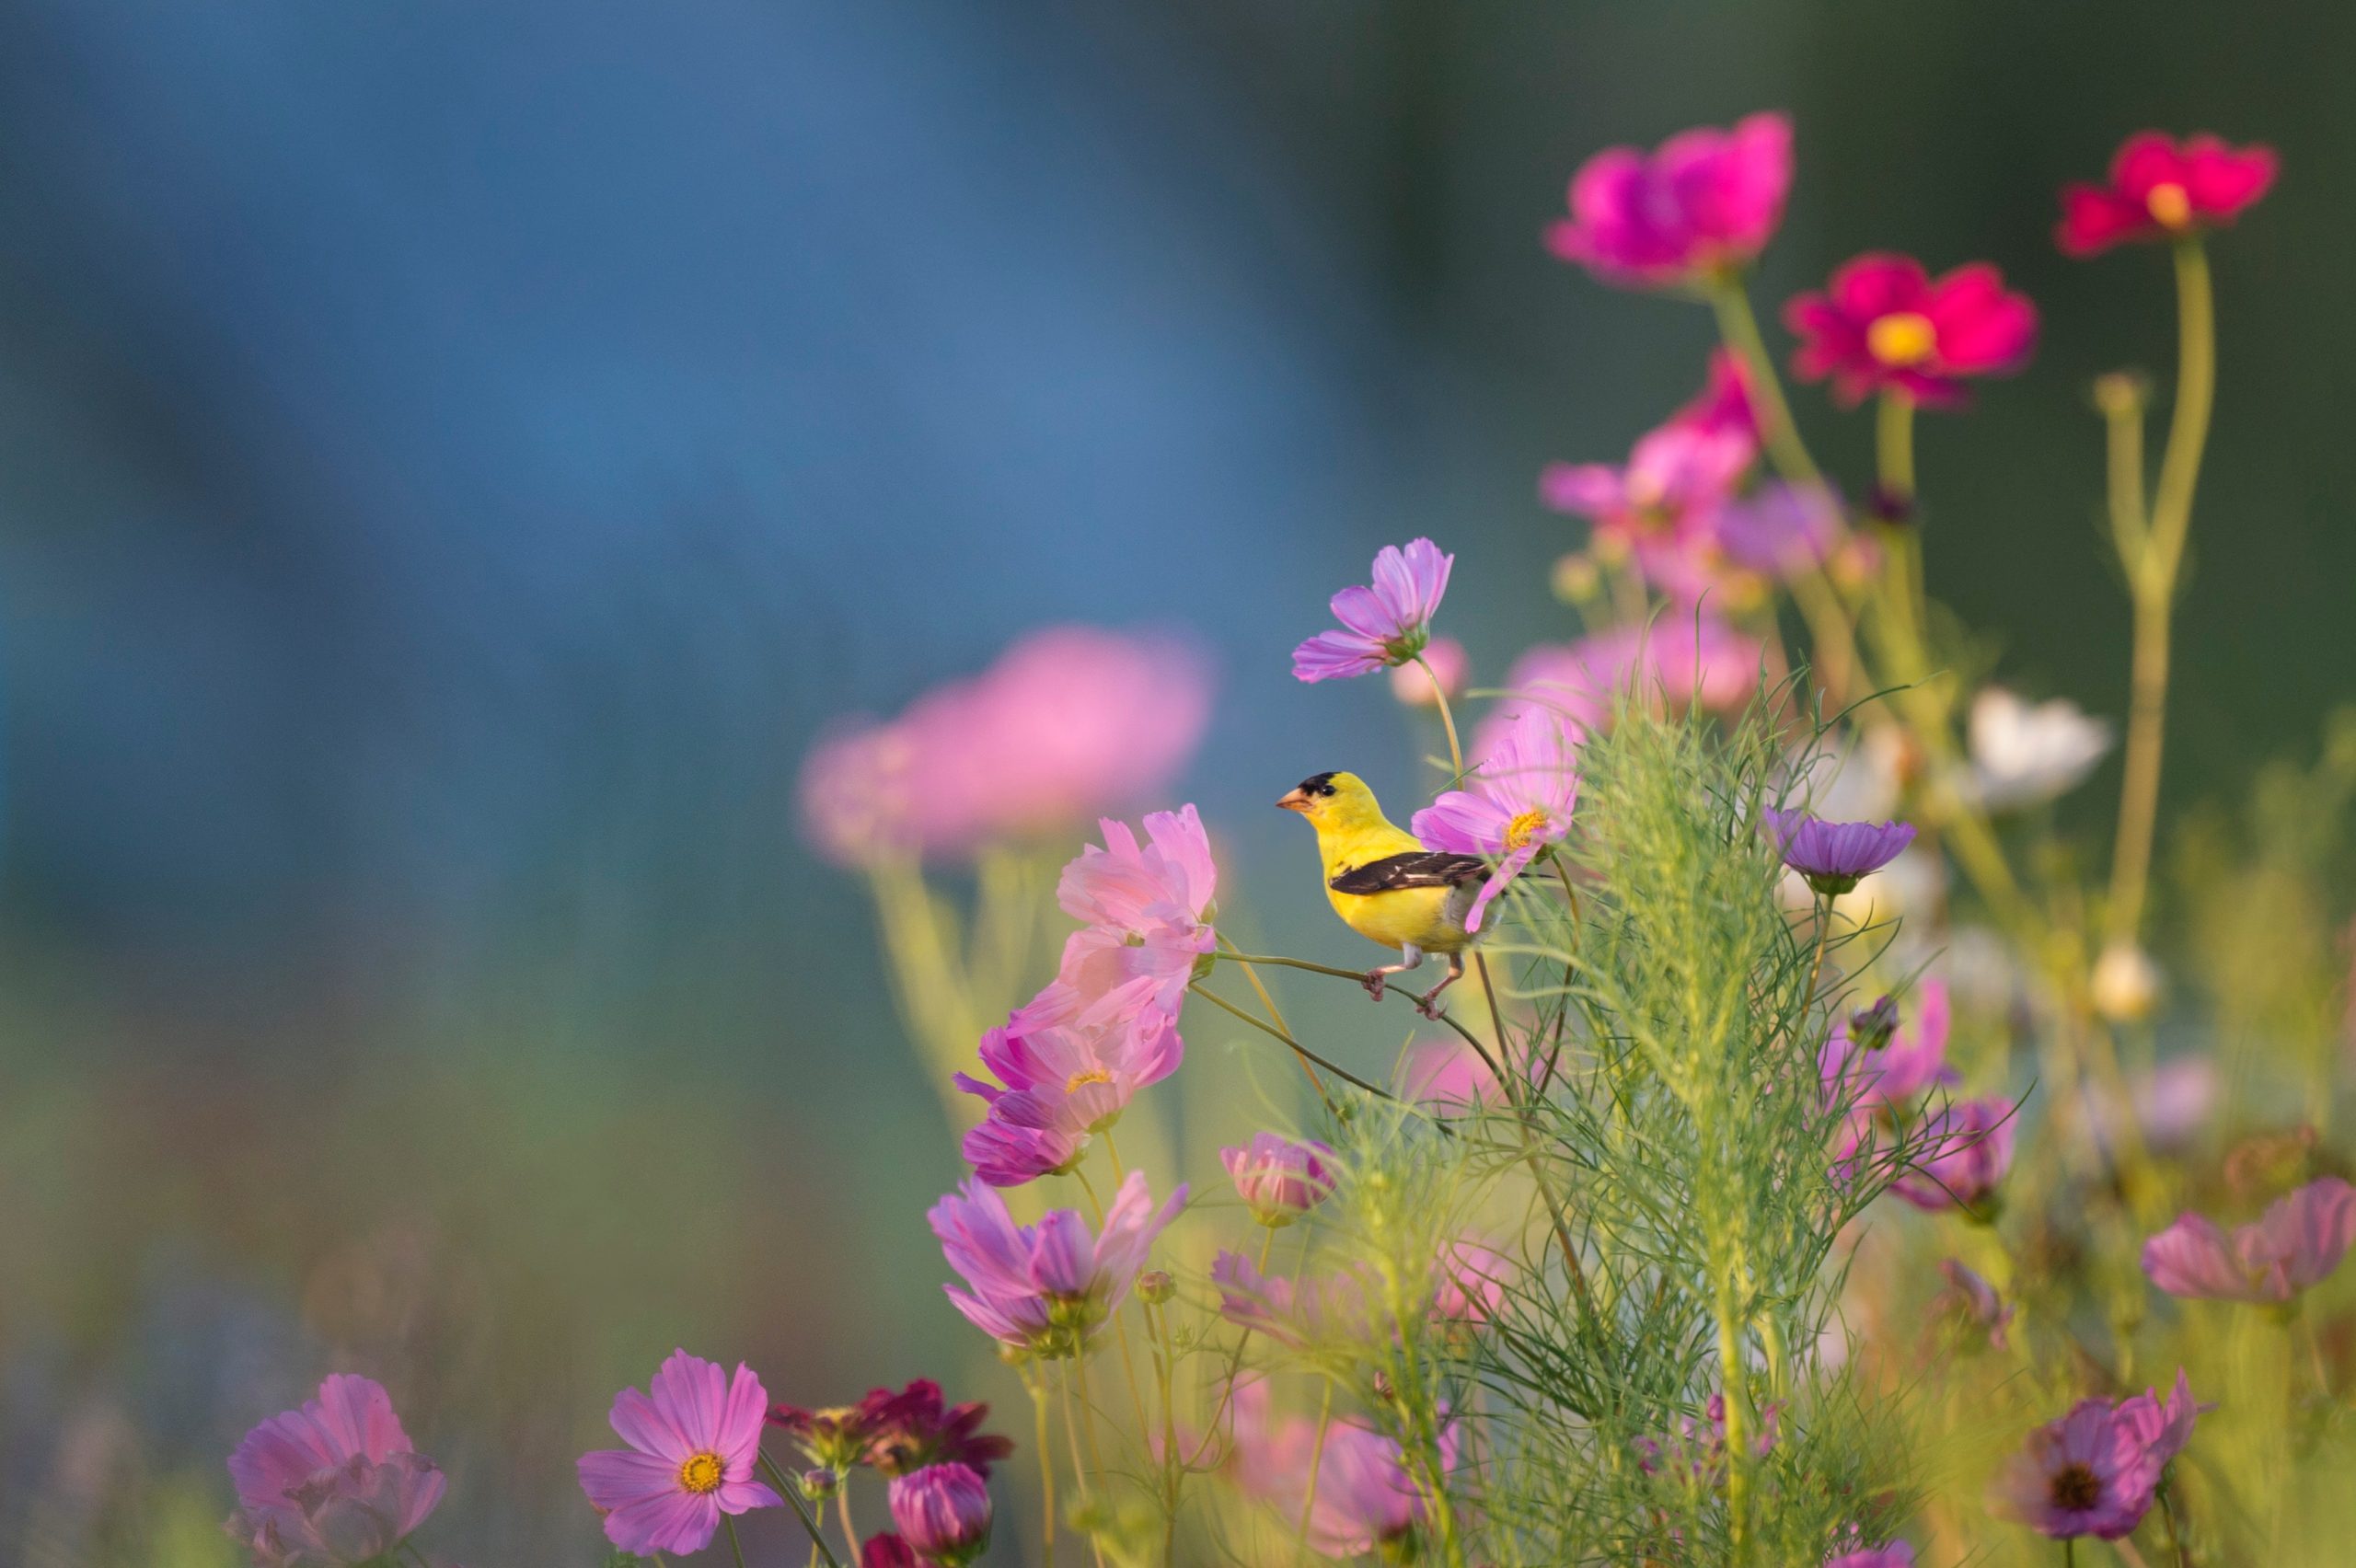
(1285, 1035)
(1260, 989)
(792, 1492)
(735, 1545)
(1447, 719)
(1316, 1459)
(842, 1511)
(1739, 327)
(1894, 444)
(1038, 1390)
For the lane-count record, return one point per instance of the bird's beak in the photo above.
(1298, 801)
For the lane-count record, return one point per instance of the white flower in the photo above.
(2024, 754)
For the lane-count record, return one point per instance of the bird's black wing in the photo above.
(1417, 868)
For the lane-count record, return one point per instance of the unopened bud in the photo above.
(2121, 394)
(2125, 982)
(820, 1484)
(1155, 1286)
(1870, 1028)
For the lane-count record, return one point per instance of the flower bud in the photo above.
(2125, 982)
(2121, 394)
(820, 1483)
(1155, 1286)
(1870, 1028)
(943, 1513)
(1278, 1178)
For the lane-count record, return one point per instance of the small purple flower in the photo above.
(1385, 625)
(943, 1513)
(2296, 1243)
(1524, 790)
(1834, 856)
(1278, 1178)
(1966, 1149)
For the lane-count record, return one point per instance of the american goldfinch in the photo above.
(1384, 884)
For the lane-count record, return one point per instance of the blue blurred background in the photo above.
(453, 460)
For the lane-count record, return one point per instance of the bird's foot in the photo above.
(1374, 982)
(1428, 1003)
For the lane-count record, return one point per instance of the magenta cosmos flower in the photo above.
(1884, 324)
(894, 1432)
(334, 1482)
(1385, 625)
(692, 1448)
(1702, 204)
(1057, 1084)
(2094, 1472)
(1046, 1287)
(1069, 723)
(943, 1513)
(2162, 189)
(1660, 510)
(1724, 404)
(1964, 1152)
(1882, 1060)
(886, 1550)
(1145, 909)
(1279, 1179)
(1524, 789)
(2296, 1243)
(1834, 856)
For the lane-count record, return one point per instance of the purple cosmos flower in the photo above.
(1966, 1149)
(1046, 1287)
(1387, 624)
(1524, 790)
(1706, 200)
(1278, 1178)
(1976, 1300)
(2297, 1243)
(2094, 1472)
(1364, 1497)
(1852, 1553)
(1834, 856)
(334, 1482)
(1780, 530)
(943, 1513)
(1056, 1085)
(692, 1447)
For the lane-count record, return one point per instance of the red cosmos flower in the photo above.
(1883, 322)
(2161, 190)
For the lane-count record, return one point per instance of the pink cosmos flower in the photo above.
(1470, 1282)
(1385, 625)
(1976, 1300)
(1895, 1554)
(1412, 686)
(1688, 659)
(1278, 1178)
(886, 1550)
(943, 1513)
(1780, 530)
(1723, 403)
(1046, 1287)
(1966, 1149)
(692, 1448)
(1907, 1060)
(2162, 189)
(1364, 1498)
(1057, 1084)
(1662, 508)
(1146, 913)
(1834, 856)
(1884, 323)
(333, 1483)
(1070, 722)
(1446, 1075)
(1524, 789)
(1316, 1308)
(2294, 1245)
(1705, 203)
(2094, 1472)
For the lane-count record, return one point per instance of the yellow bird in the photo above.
(1384, 884)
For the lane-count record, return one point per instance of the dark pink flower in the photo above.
(1525, 787)
(2094, 1472)
(894, 1432)
(1070, 722)
(1385, 625)
(2297, 1244)
(943, 1513)
(1884, 323)
(1046, 1287)
(2162, 189)
(692, 1448)
(1705, 203)
(333, 1484)
(1723, 403)
(1851, 1553)
(1278, 1178)
(1964, 1152)
(886, 1550)
(1660, 510)
(1834, 856)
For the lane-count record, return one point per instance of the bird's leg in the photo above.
(1424, 1004)
(1410, 957)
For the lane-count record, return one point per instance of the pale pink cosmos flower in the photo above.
(1385, 625)
(1046, 1287)
(333, 1483)
(1661, 510)
(1281, 1179)
(2297, 1244)
(1364, 1498)
(1688, 659)
(693, 1445)
(1145, 912)
(1446, 1075)
(1070, 722)
(1705, 203)
(1524, 789)
(1058, 1083)
(1412, 684)
(1317, 1309)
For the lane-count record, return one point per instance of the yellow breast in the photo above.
(1430, 917)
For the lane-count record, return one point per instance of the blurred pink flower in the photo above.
(692, 1448)
(1884, 323)
(1723, 403)
(1964, 1152)
(1447, 1075)
(886, 1550)
(1913, 1058)
(1281, 1179)
(335, 1483)
(943, 1513)
(1412, 686)
(2094, 1471)
(1470, 1280)
(1895, 1554)
(1056, 1085)
(1046, 1287)
(2297, 1244)
(1071, 721)
(1364, 1499)
(1385, 625)
(894, 1430)
(1684, 659)
(1293, 1313)
(1146, 910)
(1661, 510)
(1780, 530)
(1525, 787)
(2162, 189)
(1705, 203)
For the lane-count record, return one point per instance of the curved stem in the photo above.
(842, 1511)
(1285, 1035)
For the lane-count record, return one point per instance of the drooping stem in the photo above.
(2152, 581)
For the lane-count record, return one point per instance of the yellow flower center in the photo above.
(700, 1473)
(2170, 206)
(1901, 337)
(1085, 1077)
(1525, 827)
